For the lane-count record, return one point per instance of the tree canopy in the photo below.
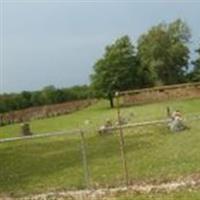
(116, 70)
(161, 58)
(195, 75)
(164, 54)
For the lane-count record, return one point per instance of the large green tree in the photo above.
(164, 54)
(116, 70)
(195, 75)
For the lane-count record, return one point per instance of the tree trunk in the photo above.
(110, 97)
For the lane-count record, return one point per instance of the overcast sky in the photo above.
(57, 42)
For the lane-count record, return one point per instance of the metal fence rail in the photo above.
(38, 136)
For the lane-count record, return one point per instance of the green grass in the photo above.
(49, 164)
(98, 113)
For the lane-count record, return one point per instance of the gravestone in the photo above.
(25, 129)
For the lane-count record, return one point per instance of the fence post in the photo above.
(122, 149)
(84, 160)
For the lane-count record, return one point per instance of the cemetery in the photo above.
(63, 157)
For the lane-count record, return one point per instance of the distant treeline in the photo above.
(46, 96)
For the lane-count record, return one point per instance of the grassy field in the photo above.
(50, 164)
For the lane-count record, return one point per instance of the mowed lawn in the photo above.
(51, 164)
